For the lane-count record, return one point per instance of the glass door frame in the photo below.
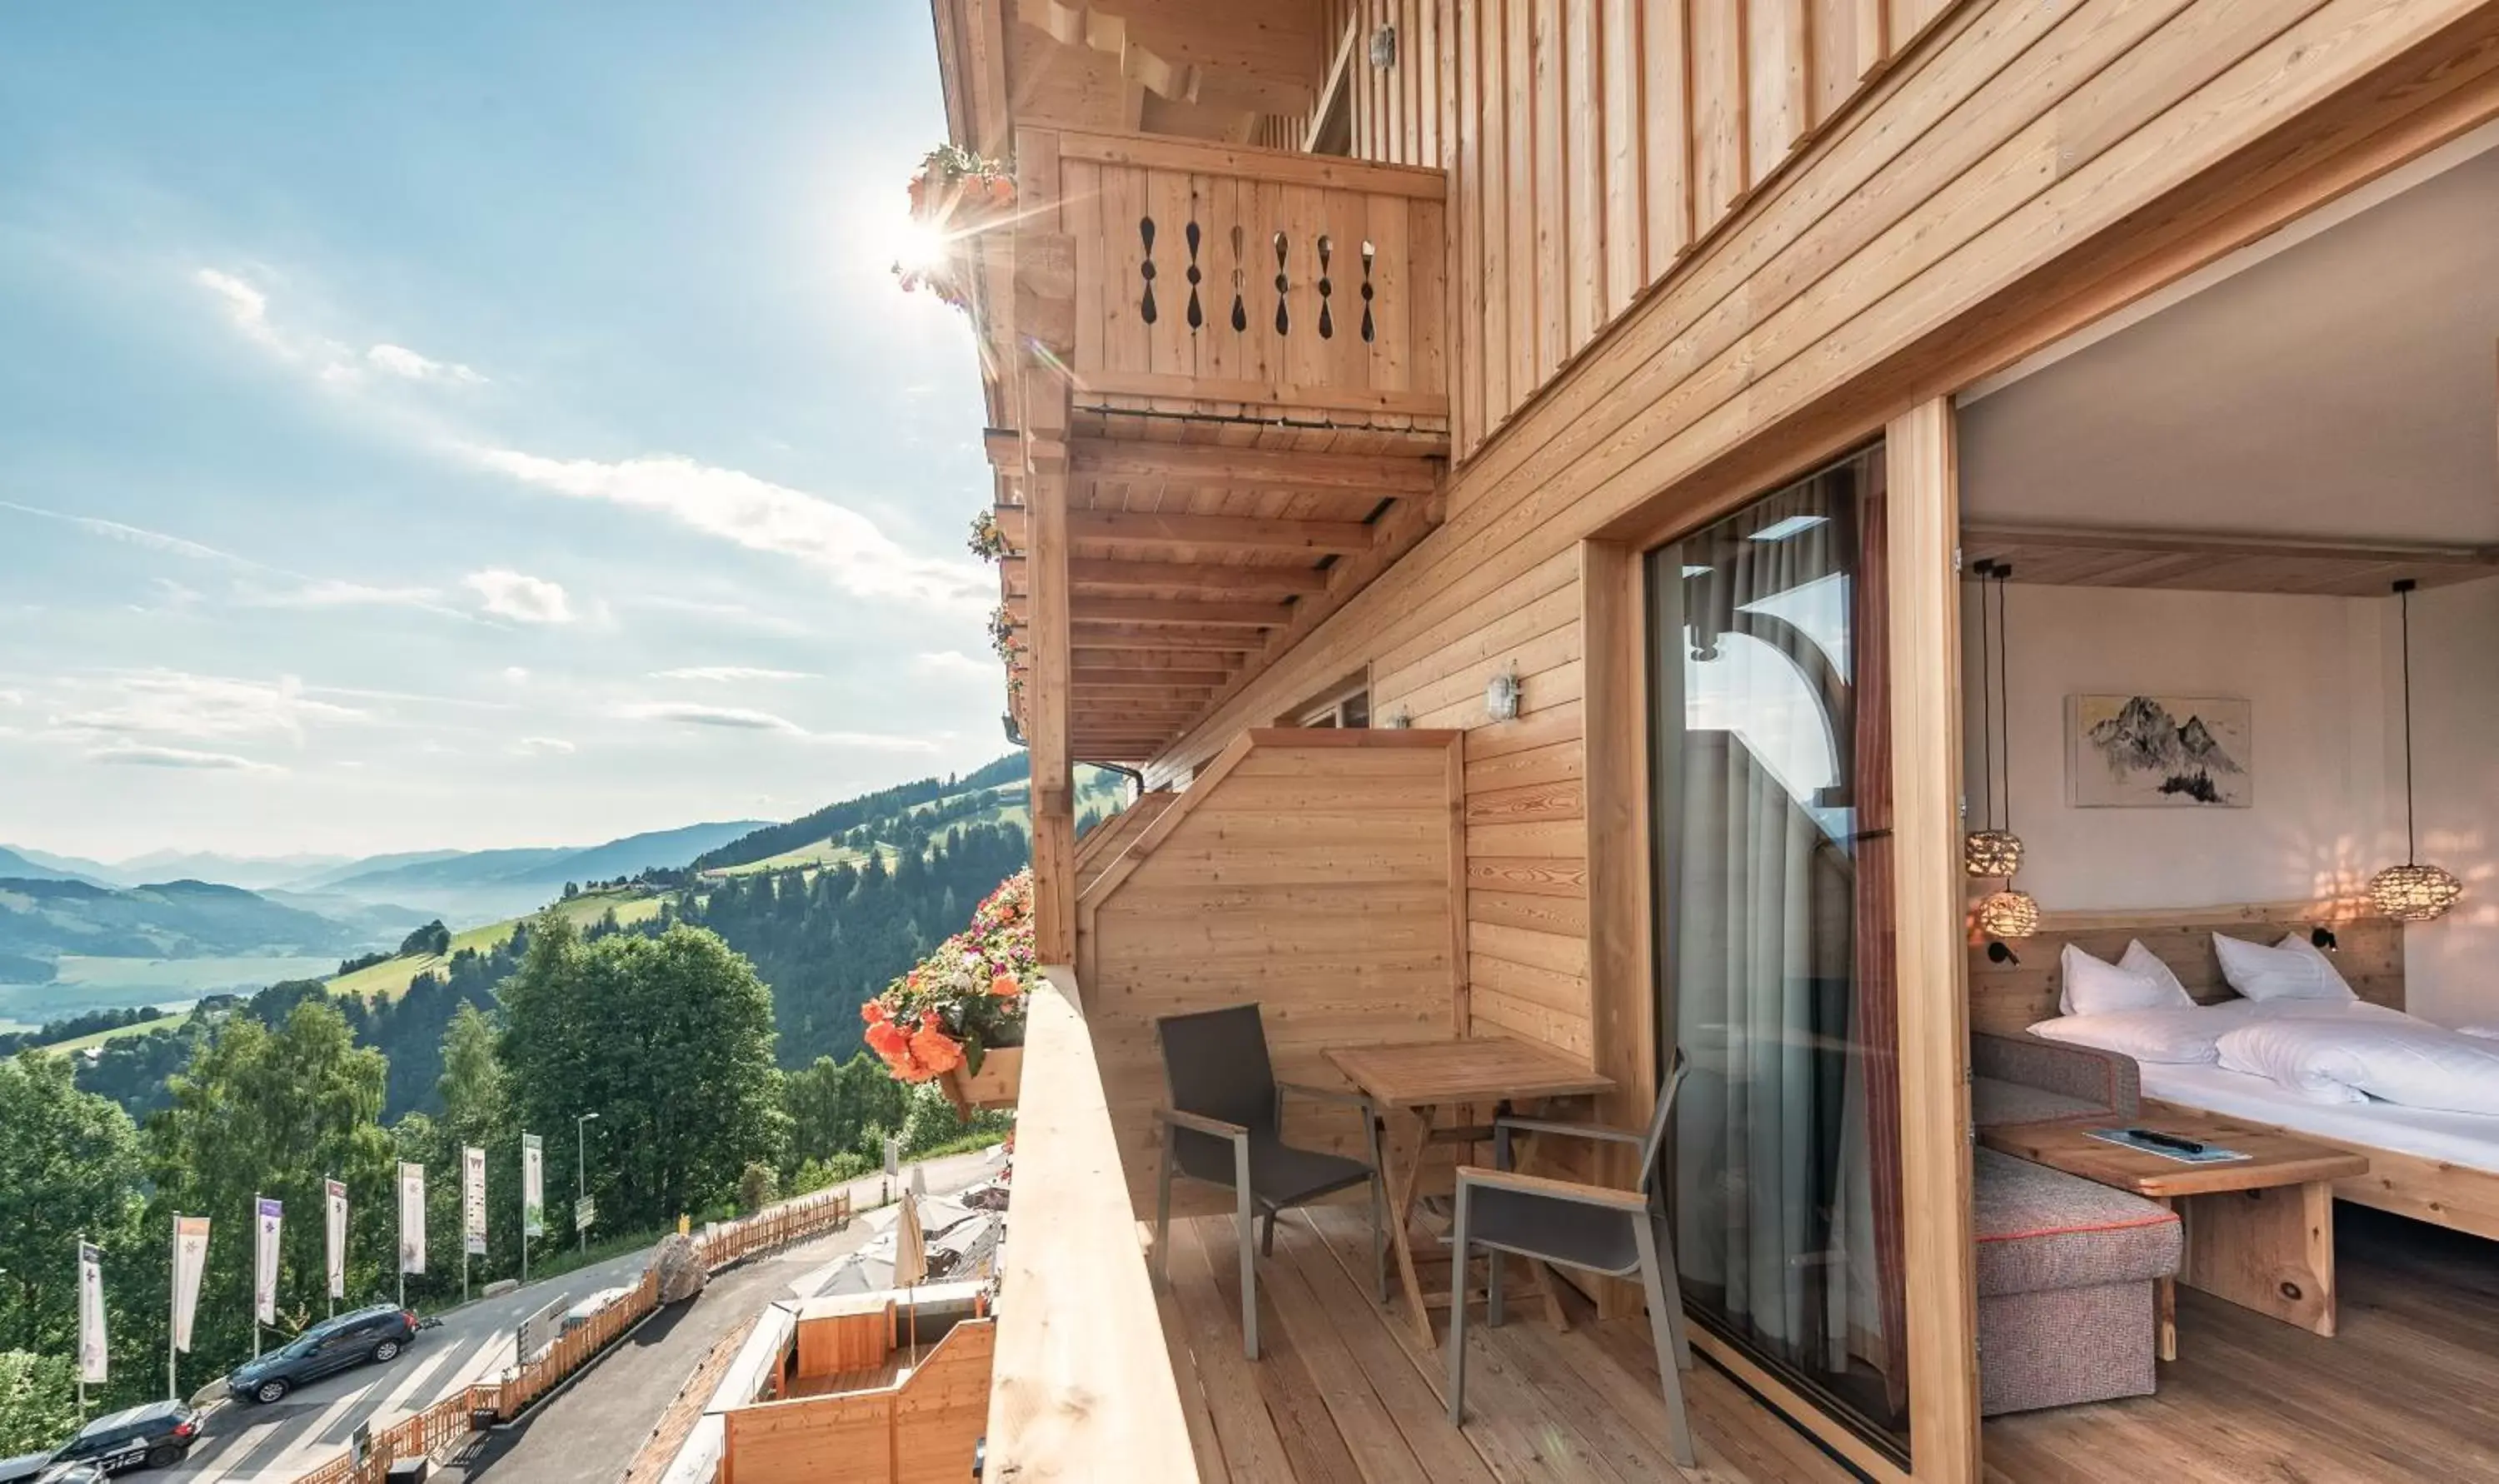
(1921, 480)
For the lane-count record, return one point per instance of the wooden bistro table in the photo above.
(1411, 1085)
(2259, 1231)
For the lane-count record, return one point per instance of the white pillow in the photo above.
(2292, 970)
(2094, 986)
(2170, 1037)
(2144, 961)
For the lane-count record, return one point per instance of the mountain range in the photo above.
(385, 895)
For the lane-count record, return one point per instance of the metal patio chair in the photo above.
(1594, 1228)
(1224, 1126)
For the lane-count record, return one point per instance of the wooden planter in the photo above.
(1001, 1074)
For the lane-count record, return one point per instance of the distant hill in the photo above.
(43, 920)
(850, 814)
(250, 872)
(35, 865)
(475, 887)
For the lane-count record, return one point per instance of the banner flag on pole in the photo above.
(337, 1193)
(268, 1217)
(92, 1358)
(473, 1199)
(411, 1218)
(533, 1187)
(191, 1260)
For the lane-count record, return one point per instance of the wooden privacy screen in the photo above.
(2004, 998)
(1317, 873)
(921, 1431)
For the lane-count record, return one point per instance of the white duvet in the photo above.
(2388, 1057)
(2192, 1036)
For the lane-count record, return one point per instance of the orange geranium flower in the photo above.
(1005, 987)
(935, 1050)
(873, 1012)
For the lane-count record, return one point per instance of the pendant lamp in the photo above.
(1987, 851)
(2007, 913)
(2412, 893)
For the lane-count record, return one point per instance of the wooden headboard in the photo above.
(2006, 997)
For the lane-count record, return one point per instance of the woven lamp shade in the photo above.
(1991, 852)
(2008, 914)
(2414, 893)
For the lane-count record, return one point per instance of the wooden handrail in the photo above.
(1082, 1382)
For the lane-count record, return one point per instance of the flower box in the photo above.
(996, 1085)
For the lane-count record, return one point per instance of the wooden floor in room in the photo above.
(2407, 1390)
(1346, 1391)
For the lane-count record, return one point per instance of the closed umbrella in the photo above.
(911, 1263)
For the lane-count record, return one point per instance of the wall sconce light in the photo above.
(1501, 695)
(1998, 952)
(1400, 720)
(1384, 47)
(2323, 939)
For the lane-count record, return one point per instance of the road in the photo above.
(250, 1444)
(591, 1430)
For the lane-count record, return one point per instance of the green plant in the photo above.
(963, 999)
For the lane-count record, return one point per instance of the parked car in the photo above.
(376, 1334)
(157, 1435)
(11, 1471)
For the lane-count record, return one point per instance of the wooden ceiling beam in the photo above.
(1238, 532)
(1097, 573)
(1193, 613)
(1386, 475)
(1146, 660)
(1131, 680)
(1165, 640)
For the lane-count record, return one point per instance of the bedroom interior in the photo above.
(2200, 714)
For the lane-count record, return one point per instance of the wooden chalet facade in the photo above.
(1369, 349)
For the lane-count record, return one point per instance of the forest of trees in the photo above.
(745, 988)
(668, 1034)
(836, 821)
(828, 941)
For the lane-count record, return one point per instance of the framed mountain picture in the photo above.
(2159, 752)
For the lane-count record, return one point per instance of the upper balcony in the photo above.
(1231, 360)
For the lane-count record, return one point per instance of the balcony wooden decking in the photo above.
(1345, 1391)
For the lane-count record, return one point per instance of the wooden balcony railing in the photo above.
(1082, 1385)
(1240, 276)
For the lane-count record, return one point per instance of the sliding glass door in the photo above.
(1770, 786)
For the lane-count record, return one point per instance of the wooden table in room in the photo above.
(1411, 1084)
(2260, 1231)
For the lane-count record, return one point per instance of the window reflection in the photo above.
(1770, 833)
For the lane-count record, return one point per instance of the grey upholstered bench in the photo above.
(2067, 1268)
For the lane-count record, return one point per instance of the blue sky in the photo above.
(472, 424)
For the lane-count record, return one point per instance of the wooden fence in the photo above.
(455, 1417)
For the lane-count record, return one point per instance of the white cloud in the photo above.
(13, 697)
(533, 747)
(333, 592)
(953, 663)
(516, 674)
(172, 704)
(400, 361)
(729, 672)
(735, 718)
(246, 306)
(713, 715)
(141, 755)
(519, 596)
(754, 513)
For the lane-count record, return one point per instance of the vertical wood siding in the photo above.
(1590, 143)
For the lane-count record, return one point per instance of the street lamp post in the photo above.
(581, 1174)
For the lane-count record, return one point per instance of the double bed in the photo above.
(2430, 1164)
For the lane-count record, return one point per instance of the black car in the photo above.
(157, 1435)
(376, 1334)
